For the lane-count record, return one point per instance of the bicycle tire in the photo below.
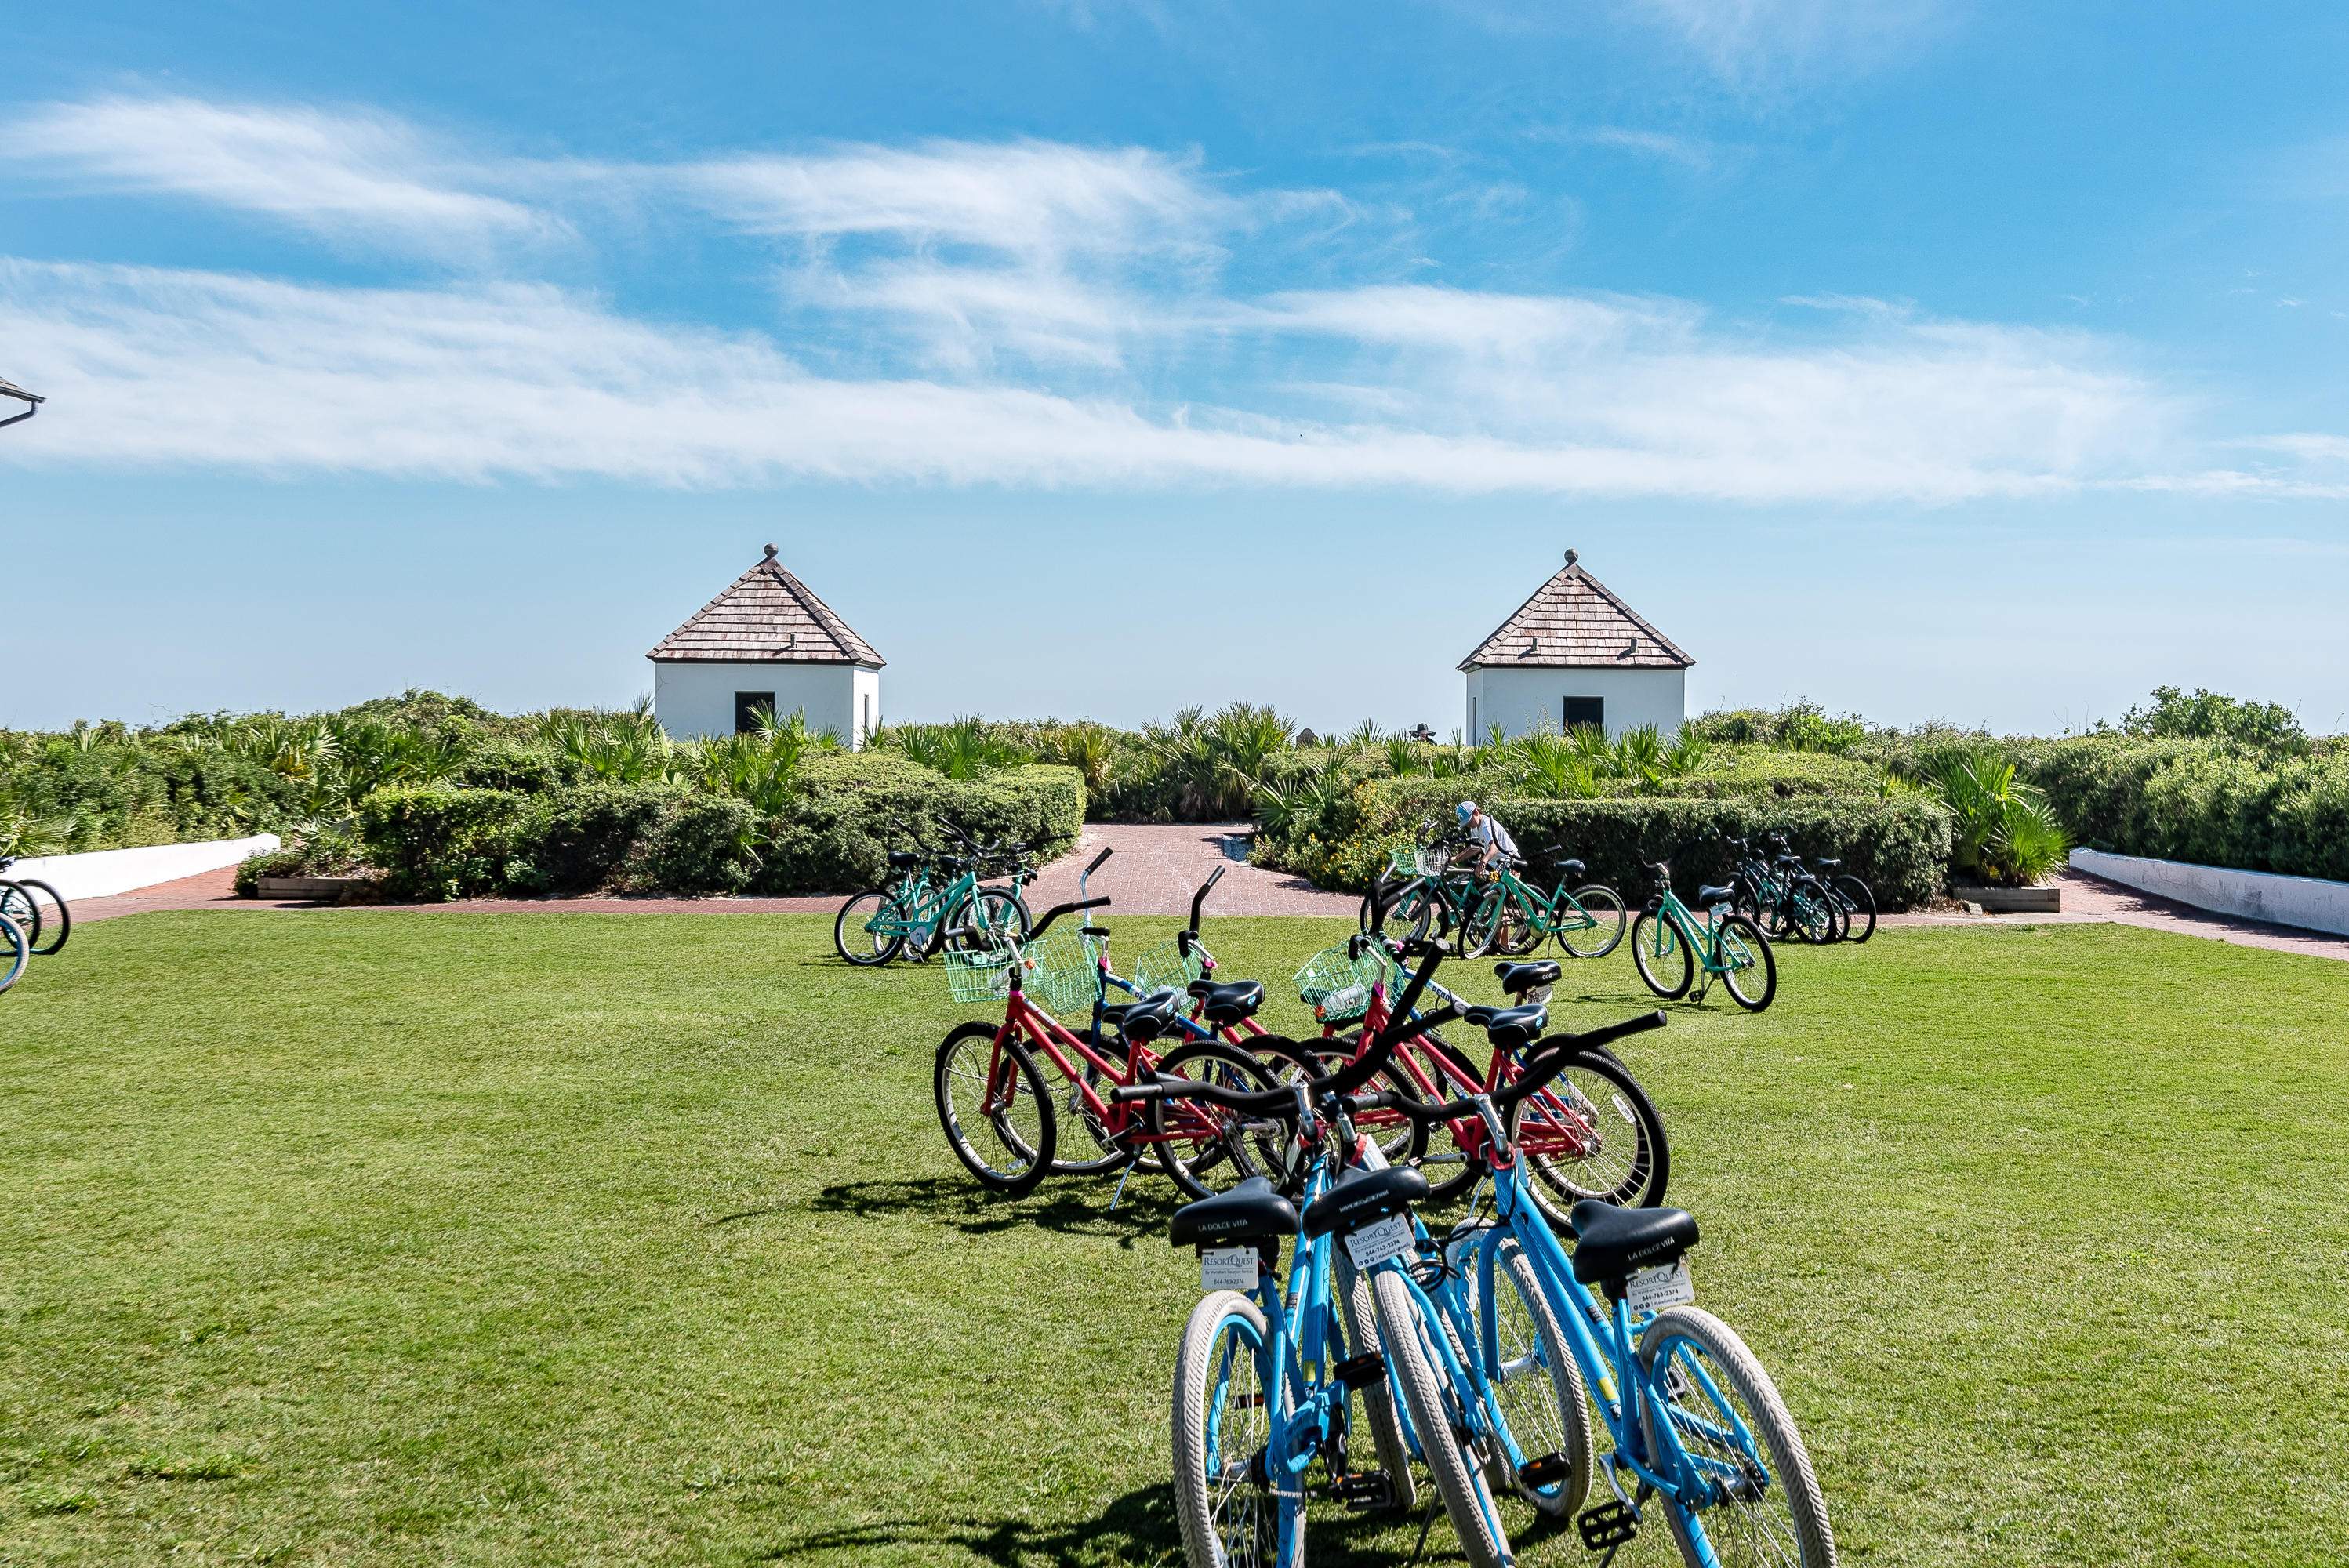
(1240, 1527)
(1027, 916)
(16, 904)
(1437, 1415)
(1669, 955)
(1394, 1451)
(1535, 1381)
(1696, 1416)
(1207, 1129)
(1594, 1106)
(1603, 907)
(1478, 921)
(16, 951)
(1859, 903)
(1737, 928)
(1810, 913)
(64, 917)
(991, 910)
(963, 1066)
(1110, 1153)
(885, 945)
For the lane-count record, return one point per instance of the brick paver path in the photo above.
(1155, 869)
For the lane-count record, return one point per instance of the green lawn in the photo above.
(383, 1237)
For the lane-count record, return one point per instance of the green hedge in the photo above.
(2211, 803)
(442, 844)
(1901, 846)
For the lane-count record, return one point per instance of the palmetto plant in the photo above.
(1086, 748)
(2003, 830)
(626, 745)
(760, 767)
(1215, 762)
(1550, 768)
(963, 749)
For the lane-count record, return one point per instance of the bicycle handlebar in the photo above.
(1097, 860)
(1059, 910)
(1539, 1073)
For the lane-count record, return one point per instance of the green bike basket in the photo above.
(1064, 975)
(1165, 967)
(1338, 988)
(981, 976)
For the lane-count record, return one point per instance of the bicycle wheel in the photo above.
(1858, 900)
(16, 904)
(1019, 905)
(988, 918)
(1393, 1449)
(1439, 1416)
(1592, 1132)
(1536, 1382)
(851, 933)
(1752, 969)
(16, 951)
(57, 921)
(1661, 956)
(996, 1111)
(1810, 913)
(1591, 925)
(1224, 1394)
(1204, 1149)
(1100, 1151)
(1479, 918)
(1766, 1507)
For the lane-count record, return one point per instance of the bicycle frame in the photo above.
(1048, 1037)
(1549, 919)
(1671, 912)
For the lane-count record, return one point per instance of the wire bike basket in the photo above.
(983, 975)
(1166, 967)
(1338, 988)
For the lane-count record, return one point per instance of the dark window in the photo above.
(751, 709)
(1582, 710)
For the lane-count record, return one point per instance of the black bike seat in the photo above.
(1517, 979)
(1611, 1242)
(1706, 897)
(1569, 867)
(1146, 1019)
(1249, 1211)
(902, 860)
(1228, 1004)
(1827, 865)
(1510, 1026)
(1361, 1196)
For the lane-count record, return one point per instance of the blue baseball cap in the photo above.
(1467, 809)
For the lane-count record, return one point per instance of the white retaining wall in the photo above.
(2308, 901)
(103, 872)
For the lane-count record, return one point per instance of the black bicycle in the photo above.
(20, 901)
(1855, 900)
(1778, 895)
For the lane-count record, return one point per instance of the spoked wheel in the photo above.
(1353, 1294)
(1594, 931)
(1512, 930)
(1205, 1149)
(56, 920)
(1858, 901)
(997, 1113)
(1752, 969)
(1592, 1132)
(16, 951)
(1408, 916)
(1535, 1381)
(859, 933)
(1098, 1150)
(1481, 915)
(1224, 1394)
(16, 904)
(1766, 1505)
(1439, 1414)
(1661, 956)
(989, 918)
(1810, 914)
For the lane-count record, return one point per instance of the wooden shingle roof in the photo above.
(766, 616)
(1573, 622)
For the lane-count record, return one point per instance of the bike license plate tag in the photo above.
(1228, 1268)
(1653, 1289)
(1374, 1243)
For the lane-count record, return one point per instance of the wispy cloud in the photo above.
(1761, 45)
(337, 175)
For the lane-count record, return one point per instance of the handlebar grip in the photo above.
(1098, 859)
(1128, 1093)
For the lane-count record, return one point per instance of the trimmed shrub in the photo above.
(437, 843)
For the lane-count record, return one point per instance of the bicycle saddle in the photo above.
(1610, 1243)
(1827, 865)
(1228, 1004)
(902, 860)
(1146, 1019)
(1517, 979)
(1706, 897)
(1361, 1196)
(1509, 1027)
(1249, 1211)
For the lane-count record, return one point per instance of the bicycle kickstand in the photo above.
(1123, 1177)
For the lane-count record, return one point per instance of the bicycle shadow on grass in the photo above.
(1071, 1207)
(1137, 1528)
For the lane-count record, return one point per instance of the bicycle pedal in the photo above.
(1364, 1491)
(1356, 1371)
(1608, 1524)
(1544, 1471)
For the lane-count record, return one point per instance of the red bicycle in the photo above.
(999, 1113)
(1592, 1133)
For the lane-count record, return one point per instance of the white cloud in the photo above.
(1760, 45)
(341, 176)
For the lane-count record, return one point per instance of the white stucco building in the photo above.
(766, 641)
(1575, 654)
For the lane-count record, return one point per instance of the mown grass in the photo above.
(376, 1237)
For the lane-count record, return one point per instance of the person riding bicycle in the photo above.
(1497, 847)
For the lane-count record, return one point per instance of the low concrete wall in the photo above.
(2307, 901)
(104, 872)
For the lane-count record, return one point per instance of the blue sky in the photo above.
(1977, 361)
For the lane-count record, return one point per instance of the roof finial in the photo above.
(1571, 558)
(770, 552)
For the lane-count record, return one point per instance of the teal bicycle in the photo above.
(1516, 916)
(1670, 945)
(933, 902)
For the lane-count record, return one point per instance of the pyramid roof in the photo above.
(1574, 622)
(766, 616)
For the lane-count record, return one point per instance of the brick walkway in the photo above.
(1155, 869)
